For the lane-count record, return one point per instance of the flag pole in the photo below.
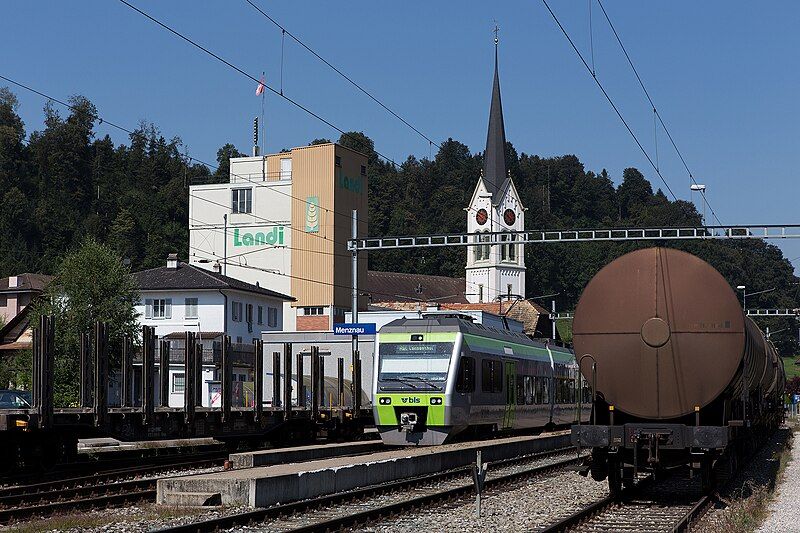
(263, 135)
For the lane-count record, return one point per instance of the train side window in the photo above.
(466, 375)
(529, 389)
(491, 376)
(497, 376)
(521, 389)
(486, 375)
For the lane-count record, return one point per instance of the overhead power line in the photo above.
(608, 97)
(253, 78)
(655, 110)
(102, 120)
(342, 74)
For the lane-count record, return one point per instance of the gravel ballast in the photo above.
(783, 513)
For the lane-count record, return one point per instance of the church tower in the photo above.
(495, 271)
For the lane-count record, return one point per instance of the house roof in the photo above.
(403, 287)
(26, 283)
(187, 277)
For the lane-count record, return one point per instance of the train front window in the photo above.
(415, 365)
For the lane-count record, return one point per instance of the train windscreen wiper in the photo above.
(404, 381)
(423, 380)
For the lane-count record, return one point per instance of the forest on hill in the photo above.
(62, 183)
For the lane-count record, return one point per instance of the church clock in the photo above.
(481, 216)
(509, 217)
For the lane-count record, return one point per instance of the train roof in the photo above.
(463, 324)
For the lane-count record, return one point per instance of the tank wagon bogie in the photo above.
(442, 376)
(682, 376)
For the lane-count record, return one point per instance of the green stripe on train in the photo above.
(446, 336)
(519, 349)
(388, 417)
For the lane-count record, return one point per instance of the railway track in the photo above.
(104, 489)
(362, 506)
(651, 506)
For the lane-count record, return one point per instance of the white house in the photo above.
(180, 297)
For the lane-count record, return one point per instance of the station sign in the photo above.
(366, 328)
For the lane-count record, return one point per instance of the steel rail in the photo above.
(82, 499)
(598, 508)
(295, 508)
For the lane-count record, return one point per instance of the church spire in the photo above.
(494, 159)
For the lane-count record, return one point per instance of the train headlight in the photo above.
(385, 401)
(436, 401)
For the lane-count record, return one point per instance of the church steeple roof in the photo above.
(494, 158)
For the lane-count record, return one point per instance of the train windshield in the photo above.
(417, 365)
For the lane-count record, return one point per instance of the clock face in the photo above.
(481, 217)
(509, 217)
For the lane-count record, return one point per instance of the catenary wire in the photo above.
(252, 78)
(608, 97)
(655, 110)
(342, 74)
(136, 133)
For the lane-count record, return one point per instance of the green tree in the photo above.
(224, 155)
(91, 285)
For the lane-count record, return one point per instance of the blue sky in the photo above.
(724, 76)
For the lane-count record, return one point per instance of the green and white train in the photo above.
(443, 375)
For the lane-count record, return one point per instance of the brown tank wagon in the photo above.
(679, 371)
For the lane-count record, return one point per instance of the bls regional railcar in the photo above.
(442, 375)
(683, 379)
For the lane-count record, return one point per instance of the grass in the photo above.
(792, 370)
(93, 520)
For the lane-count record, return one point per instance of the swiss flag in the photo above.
(261, 86)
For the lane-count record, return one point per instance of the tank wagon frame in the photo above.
(44, 435)
(441, 376)
(682, 377)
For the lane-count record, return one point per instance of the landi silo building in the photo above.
(282, 222)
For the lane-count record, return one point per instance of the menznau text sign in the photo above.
(354, 329)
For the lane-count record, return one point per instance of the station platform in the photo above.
(282, 483)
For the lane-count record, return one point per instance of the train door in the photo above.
(510, 378)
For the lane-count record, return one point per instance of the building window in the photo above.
(363, 170)
(3, 300)
(249, 315)
(337, 161)
(508, 252)
(286, 168)
(158, 308)
(508, 289)
(480, 293)
(308, 311)
(272, 317)
(242, 200)
(178, 382)
(236, 311)
(191, 307)
(482, 251)
(260, 315)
